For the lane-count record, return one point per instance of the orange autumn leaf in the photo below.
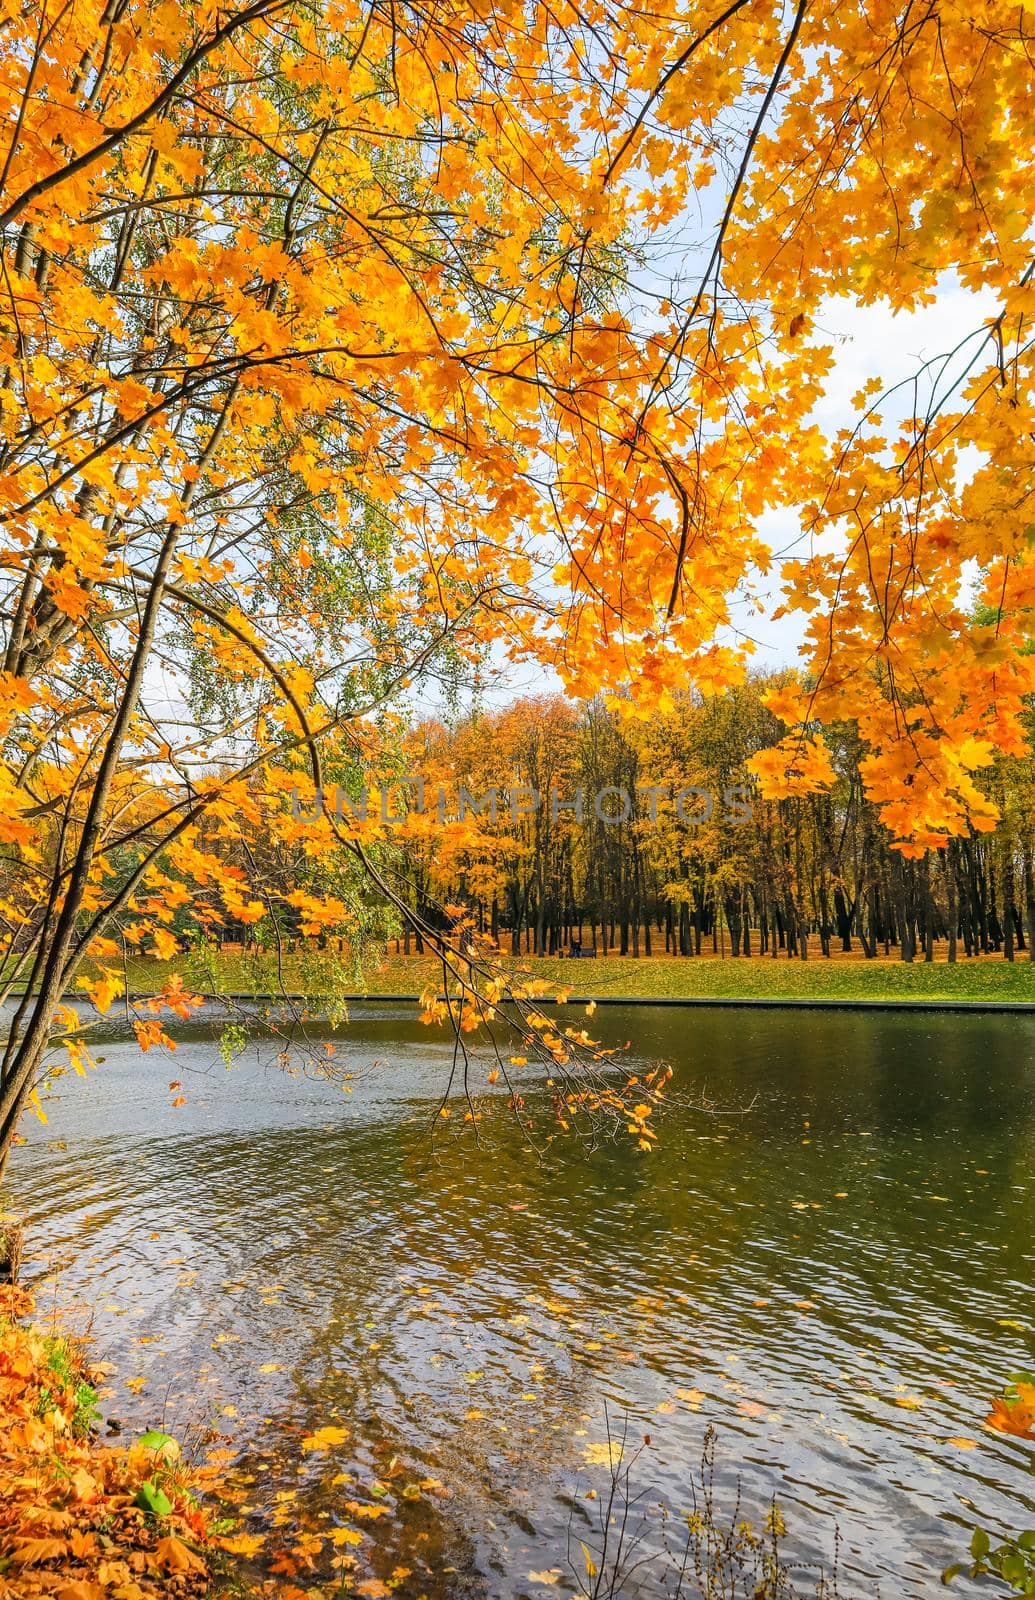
(31, 1552)
(176, 1556)
(165, 944)
(1014, 1415)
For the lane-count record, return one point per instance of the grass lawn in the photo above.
(988, 978)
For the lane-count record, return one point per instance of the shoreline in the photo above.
(717, 1002)
(82, 1514)
(986, 984)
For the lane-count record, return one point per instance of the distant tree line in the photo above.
(637, 874)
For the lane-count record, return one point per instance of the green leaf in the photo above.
(980, 1544)
(1012, 1568)
(154, 1439)
(151, 1499)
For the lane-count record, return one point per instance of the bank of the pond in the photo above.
(656, 1002)
(79, 1519)
(987, 982)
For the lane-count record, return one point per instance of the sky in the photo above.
(870, 341)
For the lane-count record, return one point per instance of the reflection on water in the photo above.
(835, 1268)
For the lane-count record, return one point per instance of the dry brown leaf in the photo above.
(29, 1552)
(176, 1556)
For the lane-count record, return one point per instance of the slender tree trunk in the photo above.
(57, 959)
(1029, 900)
(1008, 899)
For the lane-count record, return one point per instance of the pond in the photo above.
(831, 1262)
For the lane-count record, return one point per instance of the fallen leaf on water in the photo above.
(243, 1544)
(368, 1512)
(551, 1576)
(325, 1438)
(1015, 1412)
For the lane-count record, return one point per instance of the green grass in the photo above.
(756, 977)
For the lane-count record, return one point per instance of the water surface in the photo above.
(833, 1265)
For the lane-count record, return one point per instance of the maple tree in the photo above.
(342, 339)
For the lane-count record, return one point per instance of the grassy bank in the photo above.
(989, 979)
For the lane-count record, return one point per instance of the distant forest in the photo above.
(811, 874)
